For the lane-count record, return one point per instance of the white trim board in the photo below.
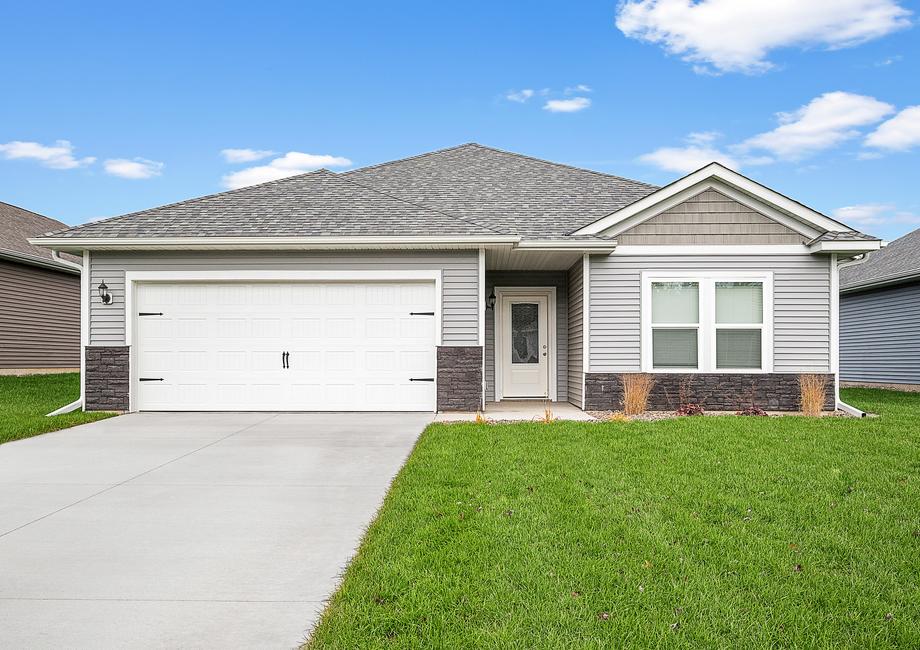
(770, 202)
(551, 320)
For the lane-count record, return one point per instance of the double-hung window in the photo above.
(717, 322)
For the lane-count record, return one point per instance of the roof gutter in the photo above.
(852, 246)
(56, 263)
(271, 243)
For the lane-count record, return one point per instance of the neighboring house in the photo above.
(459, 277)
(39, 298)
(880, 316)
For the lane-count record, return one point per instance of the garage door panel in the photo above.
(353, 346)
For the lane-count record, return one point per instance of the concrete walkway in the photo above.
(519, 411)
(187, 530)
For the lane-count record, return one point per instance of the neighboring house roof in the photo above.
(17, 225)
(464, 192)
(897, 262)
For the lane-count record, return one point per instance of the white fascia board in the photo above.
(855, 247)
(270, 243)
(715, 249)
(686, 187)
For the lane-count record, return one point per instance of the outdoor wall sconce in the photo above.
(490, 301)
(104, 294)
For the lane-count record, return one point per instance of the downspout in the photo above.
(73, 406)
(841, 405)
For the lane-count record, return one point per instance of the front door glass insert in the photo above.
(525, 332)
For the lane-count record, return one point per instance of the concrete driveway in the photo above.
(188, 529)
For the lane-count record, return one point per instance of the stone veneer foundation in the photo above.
(714, 391)
(459, 378)
(107, 378)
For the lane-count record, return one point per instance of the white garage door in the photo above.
(285, 346)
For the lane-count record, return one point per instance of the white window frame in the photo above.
(706, 329)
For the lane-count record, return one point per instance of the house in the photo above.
(39, 298)
(456, 278)
(880, 316)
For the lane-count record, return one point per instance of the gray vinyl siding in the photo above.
(880, 335)
(709, 218)
(801, 306)
(39, 317)
(531, 279)
(460, 280)
(575, 378)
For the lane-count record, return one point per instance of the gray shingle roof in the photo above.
(899, 260)
(513, 193)
(320, 203)
(17, 225)
(843, 235)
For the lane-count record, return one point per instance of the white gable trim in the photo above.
(772, 204)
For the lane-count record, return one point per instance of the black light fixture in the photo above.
(490, 301)
(104, 293)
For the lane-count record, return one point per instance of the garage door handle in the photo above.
(150, 379)
(421, 379)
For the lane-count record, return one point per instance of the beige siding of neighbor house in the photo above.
(459, 288)
(709, 218)
(39, 317)
(801, 305)
(576, 376)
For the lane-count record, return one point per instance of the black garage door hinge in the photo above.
(150, 379)
(421, 313)
(149, 313)
(421, 379)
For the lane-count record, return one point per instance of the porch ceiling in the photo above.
(513, 259)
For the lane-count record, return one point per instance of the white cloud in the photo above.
(135, 168)
(520, 96)
(733, 36)
(699, 152)
(580, 88)
(871, 214)
(824, 122)
(245, 155)
(290, 164)
(56, 156)
(572, 105)
(900, 133)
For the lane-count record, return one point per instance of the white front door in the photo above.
(279, 346)
(524, 346)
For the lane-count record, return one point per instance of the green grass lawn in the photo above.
(693, 532)
(24, 401)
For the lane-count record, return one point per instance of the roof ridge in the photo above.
(407, 158)
(194, 199)
(502, 151)
(418, 205)
(559, 164)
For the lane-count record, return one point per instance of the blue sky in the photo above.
(817, 106)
